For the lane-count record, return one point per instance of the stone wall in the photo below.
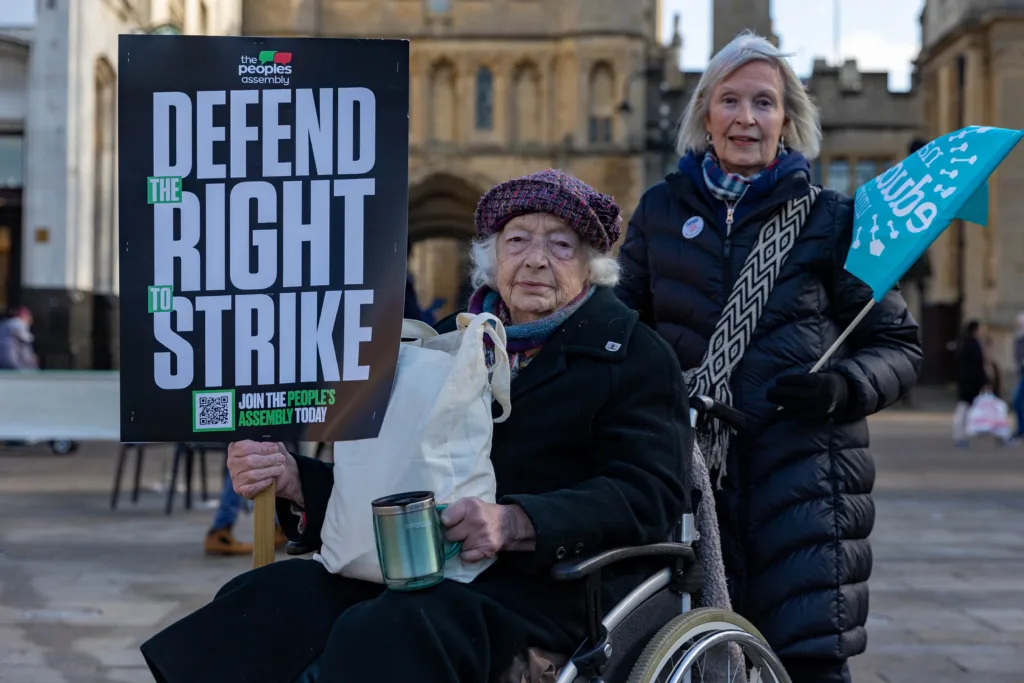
(498, 89)
(546, 59)
(451, 19)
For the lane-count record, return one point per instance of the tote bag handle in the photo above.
(501, 374)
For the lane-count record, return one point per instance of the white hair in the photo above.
(802, 132)
(604, 269)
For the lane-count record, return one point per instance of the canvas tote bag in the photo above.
(436, 436)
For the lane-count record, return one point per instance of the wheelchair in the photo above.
(654, 635)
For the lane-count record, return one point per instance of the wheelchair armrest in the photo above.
(571, 570)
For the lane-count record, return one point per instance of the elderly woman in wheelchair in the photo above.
(592, 472)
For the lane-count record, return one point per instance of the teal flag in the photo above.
(901, 212)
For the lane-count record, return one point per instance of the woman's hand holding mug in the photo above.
(487, 528)
(255, 464)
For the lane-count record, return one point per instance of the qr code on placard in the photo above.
(213, 410)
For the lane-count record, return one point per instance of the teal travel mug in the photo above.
(410, 540)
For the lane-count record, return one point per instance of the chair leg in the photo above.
(189, 458)
(202, 473)
(178, 452)
(116, 492)
(138, 472)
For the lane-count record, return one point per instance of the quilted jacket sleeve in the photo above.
(634, 288)
(883, 354)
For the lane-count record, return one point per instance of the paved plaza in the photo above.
(81, 585)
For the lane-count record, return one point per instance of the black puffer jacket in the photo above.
(795, 507)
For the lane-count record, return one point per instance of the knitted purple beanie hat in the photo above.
(594, 216)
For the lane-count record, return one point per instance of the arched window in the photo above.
(484, 99)
(526, 121)
(602, 103)
(442, 122)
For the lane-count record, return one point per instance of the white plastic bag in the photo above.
(989, 415)
(436, 436)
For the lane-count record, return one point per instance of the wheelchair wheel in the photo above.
(706, 645)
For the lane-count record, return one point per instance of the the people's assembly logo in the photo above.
(270, 67)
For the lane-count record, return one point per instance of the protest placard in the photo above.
(263, 199)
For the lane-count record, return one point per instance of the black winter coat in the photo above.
(591, 451)
(795, 508)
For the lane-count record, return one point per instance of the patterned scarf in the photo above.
(525, 340)
(746, 301)
(729, 187)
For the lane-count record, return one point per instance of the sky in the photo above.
(882, 35)
(22, 12)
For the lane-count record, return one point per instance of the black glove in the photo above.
(811, 395)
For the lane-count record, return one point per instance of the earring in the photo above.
(707, 139)
(782, 142)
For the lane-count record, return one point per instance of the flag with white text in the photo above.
(899, 214)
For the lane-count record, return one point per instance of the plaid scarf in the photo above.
(729, 187)
(525, 340)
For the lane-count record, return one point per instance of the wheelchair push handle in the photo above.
(705, 405)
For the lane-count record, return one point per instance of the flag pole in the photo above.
(846, 333)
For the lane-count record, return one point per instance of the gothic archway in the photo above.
(441, 210)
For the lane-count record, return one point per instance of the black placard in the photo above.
(263, 194)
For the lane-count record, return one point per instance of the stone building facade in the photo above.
(67, 142)
(498, 88)
(971, 69)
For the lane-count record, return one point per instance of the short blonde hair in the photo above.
(803, 132)
(604, 269)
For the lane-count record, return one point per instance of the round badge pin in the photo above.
(692, 227)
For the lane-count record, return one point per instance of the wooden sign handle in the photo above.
(263, 527)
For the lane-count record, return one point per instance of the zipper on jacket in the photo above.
(730, 214)
(730, 211)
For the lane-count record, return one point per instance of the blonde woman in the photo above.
(738, 262)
